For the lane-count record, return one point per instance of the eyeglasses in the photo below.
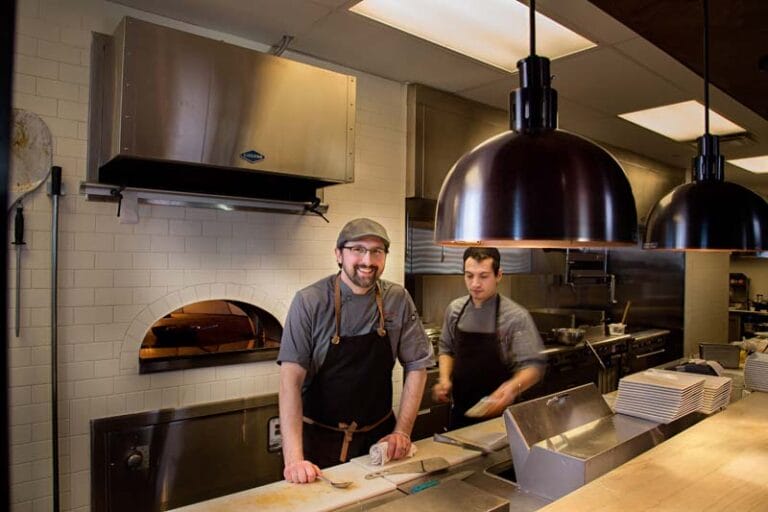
(360, 251)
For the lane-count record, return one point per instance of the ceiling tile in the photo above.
(357, 42)
(265, 21)
(605, 80)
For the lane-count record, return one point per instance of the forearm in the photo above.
(445, 363)
(291, 411)
(505, 395)
(413, 389)
(528, 376)
(522, 380)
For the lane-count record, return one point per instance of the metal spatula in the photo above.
(429, 465)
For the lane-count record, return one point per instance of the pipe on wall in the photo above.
(7, 33)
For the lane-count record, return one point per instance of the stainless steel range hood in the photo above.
(175, 111)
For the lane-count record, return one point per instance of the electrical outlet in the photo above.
(274, 439)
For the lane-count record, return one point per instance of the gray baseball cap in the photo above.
(360, 228)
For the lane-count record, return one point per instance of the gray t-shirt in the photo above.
(518, 335)
(311, 324)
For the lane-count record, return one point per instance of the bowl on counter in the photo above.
(616, 329)
(569, 335)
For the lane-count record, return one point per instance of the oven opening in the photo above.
(210, 333)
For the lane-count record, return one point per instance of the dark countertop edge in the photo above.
(607, 340)
(647, 333)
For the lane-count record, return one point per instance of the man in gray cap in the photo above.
(341, 338)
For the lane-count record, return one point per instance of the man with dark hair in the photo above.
(340, 342)
(489, 347)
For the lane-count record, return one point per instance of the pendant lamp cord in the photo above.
(706, 67)
(532, 23)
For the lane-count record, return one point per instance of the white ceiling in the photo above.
(623, 73)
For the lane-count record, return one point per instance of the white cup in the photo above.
(616, 328)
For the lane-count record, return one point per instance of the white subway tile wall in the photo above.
(116, 279)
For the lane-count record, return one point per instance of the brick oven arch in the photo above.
(143, 321)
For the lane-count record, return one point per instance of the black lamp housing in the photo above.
(709, 213)
(535, 185)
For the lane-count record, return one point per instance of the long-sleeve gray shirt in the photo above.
(311, 324)
(520, 342)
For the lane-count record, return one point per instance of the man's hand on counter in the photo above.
(301, 472)
(399, 444)
(442, 391)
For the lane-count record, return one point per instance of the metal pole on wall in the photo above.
(55, 193)
(7, 39)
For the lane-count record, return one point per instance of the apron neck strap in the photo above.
(337, 308)
(464, 307)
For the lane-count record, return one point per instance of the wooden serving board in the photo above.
(491, 434)
(318, 496)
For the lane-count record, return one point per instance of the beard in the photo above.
(363, 280)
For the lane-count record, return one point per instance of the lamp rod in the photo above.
(706, 67)
(532, 22)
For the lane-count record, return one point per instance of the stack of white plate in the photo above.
(756, 372)
(660, 395)
(716, 394)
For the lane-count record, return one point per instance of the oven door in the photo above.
(649, 354)
(565, 374)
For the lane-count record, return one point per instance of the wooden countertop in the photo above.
(320, 496)
(718, 464)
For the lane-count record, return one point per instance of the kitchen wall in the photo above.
(706, 300)
(115, 279)
(757, 271)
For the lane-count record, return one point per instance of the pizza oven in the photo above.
(210, 333)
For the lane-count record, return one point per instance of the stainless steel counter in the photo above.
(491, 473)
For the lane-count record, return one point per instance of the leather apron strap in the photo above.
(337, 309)
(339, 398)
(349, 430)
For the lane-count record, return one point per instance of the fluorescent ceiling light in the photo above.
(682, 121)
(756, 164)
(493, 31)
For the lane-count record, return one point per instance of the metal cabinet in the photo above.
(441, 128)
(168, 458)
(433, 416)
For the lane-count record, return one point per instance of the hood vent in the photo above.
(179, 112)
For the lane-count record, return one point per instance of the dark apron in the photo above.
(478, 369)
(348, 405)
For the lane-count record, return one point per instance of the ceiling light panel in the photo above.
(494, 31)
(756, 164)
(681, 121)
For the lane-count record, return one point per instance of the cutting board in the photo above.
(315, 497)
(491, 434)
(425, 448)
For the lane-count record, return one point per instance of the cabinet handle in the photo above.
(649, 354)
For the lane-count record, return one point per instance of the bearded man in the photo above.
(341, 339)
